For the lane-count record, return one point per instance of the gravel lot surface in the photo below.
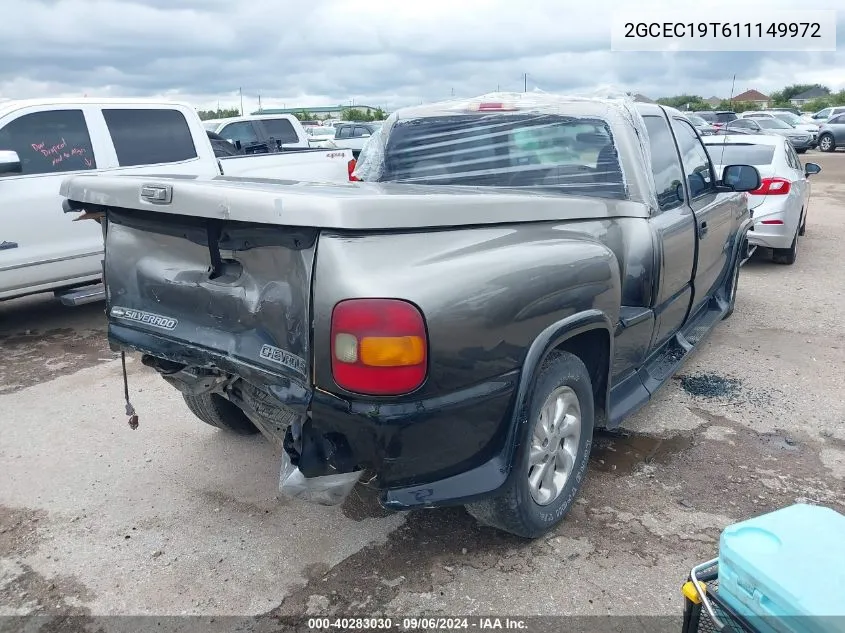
(176, 518)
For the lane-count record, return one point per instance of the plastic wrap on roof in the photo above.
(533, 141)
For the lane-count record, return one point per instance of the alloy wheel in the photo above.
(554, 445)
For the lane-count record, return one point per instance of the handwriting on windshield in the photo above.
(61, 152)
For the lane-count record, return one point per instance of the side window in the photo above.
(789, 158)
(699, 171)
(795, 158)
(280, 129)
(149, 137)
(824, 113)
(241, 131)
(50, 142)
(743, 123)
(668, 178)
(360, 131)
(837, 120)
(345, 132)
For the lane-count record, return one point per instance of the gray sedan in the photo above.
(832, 134)
(801, 140)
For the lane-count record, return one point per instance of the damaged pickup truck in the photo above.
(513, 272)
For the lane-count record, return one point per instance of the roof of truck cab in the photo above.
(76, 102)
(251, 117)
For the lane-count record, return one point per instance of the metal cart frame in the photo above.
(701, 593)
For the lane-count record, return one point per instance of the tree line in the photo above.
(779, 99)
(348, 114)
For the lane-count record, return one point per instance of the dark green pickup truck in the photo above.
(508, 277)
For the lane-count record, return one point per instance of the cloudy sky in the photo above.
(326, 52)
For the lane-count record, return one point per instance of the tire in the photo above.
(215, 410)
(786, 256)
(531, 511)
(827, 143)
(801, 151)
(734, 284)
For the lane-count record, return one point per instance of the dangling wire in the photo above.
(130, 410)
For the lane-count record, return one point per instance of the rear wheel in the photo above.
(786, 256)
(215, 410)
(826, 143)
(801, 151)
(552, 458)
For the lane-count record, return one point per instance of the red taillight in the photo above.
(350, 167)
(772, 187)
(772, 222)
(379, 346)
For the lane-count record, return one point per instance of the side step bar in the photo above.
(81, 296)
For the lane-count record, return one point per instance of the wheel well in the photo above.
(593, 348)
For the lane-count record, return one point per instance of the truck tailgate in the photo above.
(236, 293)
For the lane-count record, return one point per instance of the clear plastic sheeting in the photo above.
(328, 490)
(571, 145)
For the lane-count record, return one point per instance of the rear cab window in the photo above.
(49, 142)
(149, 136)
(549, 152)
(242, 131)
(725, 117)
(665, 164)
(280, 130)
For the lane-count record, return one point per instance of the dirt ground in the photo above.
(175, 518)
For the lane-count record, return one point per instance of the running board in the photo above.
(638, 388)
(659, 369)
(81, 296)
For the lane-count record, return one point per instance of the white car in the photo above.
(779, 207)
(825, 115)
(787, 117)
(320, 135)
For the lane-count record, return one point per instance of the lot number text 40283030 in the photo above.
(417, 624)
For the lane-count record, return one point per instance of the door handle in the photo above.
(6, 246)
(703, 228)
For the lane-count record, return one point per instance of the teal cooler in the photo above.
(785, 571)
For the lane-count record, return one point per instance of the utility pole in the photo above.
(259, 103)
(524, 82)
(453, 92)
(733, 84)
(241, 91)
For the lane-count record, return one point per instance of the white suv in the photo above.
(823, 115)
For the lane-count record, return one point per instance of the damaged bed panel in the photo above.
(208, 291)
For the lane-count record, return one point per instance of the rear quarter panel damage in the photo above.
(486, 292)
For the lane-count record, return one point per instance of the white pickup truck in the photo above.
(44, 141)
(257, 133)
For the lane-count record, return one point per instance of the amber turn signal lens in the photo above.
(392, 351)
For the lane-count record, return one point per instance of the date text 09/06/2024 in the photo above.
(417, 624)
